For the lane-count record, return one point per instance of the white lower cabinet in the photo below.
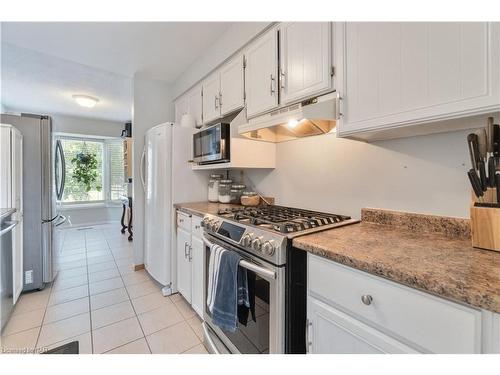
(331, 331)
(351, 311)
(184, 263)
(190, 260)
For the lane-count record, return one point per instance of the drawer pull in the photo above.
(367, 299)
(181, 220)
(197, 227)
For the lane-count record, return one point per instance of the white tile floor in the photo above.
(100, 301)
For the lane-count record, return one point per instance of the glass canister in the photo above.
(250, 198)
(236, 193)
(225, 191)
(213, 187)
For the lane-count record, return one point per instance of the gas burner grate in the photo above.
(281, 219)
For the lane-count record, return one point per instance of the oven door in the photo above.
(211, 144)
(266, 334)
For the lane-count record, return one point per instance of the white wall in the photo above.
(152, 106)
(424, 174)
(86, 126)
(231, 41)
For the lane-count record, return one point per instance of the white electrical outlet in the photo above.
(28, 277)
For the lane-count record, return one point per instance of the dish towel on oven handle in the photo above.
(213, 269)
(231, 289)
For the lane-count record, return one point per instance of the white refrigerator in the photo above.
(167, 178)
(11, 196)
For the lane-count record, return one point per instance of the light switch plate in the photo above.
(28, 277)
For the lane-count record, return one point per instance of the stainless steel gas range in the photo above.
(263, 237)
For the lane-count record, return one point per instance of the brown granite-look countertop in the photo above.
(426, 252)
(202, 208)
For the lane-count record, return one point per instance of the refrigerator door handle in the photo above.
(63, 175)
(141, 169)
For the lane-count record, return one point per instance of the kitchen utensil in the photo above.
(497, 177)
(489, 133)
(473, 149)
(491, 172)
(476, 184)
(482, 175)
(496, 142)
(482, 140)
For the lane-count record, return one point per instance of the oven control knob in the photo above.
(247, 240)
(204, 223)
(216, 225)
(257, 244)
(268, 248)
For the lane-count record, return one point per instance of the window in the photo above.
(109, 182)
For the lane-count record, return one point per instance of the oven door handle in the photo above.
(261, 271)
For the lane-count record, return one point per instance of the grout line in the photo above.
(88, 291)
(133, 307)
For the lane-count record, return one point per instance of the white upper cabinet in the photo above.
(211, 98)
(232, 87)
(392, 75)
(306, 67)
(194, 104)
(261, 74)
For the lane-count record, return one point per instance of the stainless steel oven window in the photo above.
(266, 334)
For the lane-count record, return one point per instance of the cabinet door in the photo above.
(197, 262)
(183, 263)
(211, 92)
(231, 86)
(330, 331)
(181, 108)
(261, 74)
(409, 73)
(194, 100)
(305, 60)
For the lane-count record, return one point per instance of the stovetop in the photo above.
(285, 220)
(267, 231)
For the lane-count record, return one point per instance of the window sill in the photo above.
(88, 206)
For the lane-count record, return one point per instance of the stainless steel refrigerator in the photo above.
(43, 187)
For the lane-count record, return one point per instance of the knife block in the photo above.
(485, 223)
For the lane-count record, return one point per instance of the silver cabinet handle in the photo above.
(337, 105)
(216, 101)
(181, 220)
(308, 342)
(196, 227)
(185, 249)
(367, 299)
(220, 99)
(190, 253)
(282, 79)
(272, 85)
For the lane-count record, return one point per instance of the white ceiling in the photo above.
(44, 64)
(159, 50)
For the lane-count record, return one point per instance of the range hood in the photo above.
(314, 116)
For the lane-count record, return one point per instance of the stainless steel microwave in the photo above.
(211, 144)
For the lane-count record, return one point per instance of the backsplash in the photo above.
(425, 174)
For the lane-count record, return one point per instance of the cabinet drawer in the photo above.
(184, 221)
(196, 229)
(428, 323)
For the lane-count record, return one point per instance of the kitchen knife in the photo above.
(482, 175)
(498, 187)
(476, 184)
(496, 141)
(482, 141)
(491, 172)
(473, 149)
(489, 133)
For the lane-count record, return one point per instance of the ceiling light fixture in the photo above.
(86, 101)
